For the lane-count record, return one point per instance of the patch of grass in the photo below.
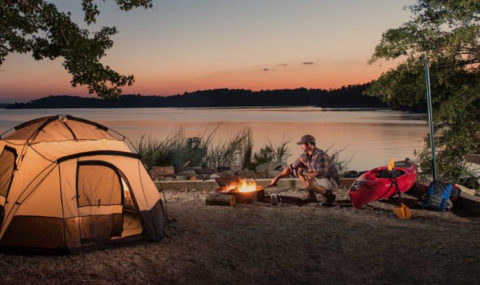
(340, 162)
(176, 149)
(237, 152)
(248, 150)
(273, 154)
(232, 152)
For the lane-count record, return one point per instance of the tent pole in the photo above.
(430, 117)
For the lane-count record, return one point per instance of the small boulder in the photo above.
(236, 168)
(203, 176)
(227, 173)
(160, 172)
(246, 173)
(222, 168)
(186, 173)
(204, 171)
(264, 168)
(351, 174)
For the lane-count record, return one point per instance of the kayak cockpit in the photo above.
(385, 173)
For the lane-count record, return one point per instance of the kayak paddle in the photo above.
(402, 211)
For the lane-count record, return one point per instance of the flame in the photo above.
(247, 186)
(391, 164)
(243, 186)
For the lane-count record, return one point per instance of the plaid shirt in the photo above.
(317, 162)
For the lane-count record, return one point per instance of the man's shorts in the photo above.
(328, 184)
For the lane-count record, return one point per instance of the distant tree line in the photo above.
(347, 97)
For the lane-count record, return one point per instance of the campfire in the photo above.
(235, 189)
(240, 186)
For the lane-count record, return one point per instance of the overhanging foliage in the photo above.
(38, 27)
(447, 33)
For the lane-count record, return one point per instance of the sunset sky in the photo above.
(186, 45)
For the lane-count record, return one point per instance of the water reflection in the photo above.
(371, 137)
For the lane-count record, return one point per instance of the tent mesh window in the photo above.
(7, 165)
(98, 185)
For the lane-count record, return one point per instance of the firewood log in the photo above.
(221, 199)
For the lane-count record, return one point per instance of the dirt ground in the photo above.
(264, 244)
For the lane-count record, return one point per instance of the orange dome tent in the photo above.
(69, 183)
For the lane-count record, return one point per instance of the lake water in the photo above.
(370, 137)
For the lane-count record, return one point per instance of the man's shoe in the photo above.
(329, 199)
(310, 197)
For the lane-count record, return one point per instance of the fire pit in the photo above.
(235, 189)
(244, 190)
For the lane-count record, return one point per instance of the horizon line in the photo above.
(181, 94)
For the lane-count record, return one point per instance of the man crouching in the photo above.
(321, 174)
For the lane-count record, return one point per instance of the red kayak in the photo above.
(378, 184)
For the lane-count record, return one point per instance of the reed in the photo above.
(237, 152)
(175, 149)
(231, 152)
(273, 154)
(340, 162)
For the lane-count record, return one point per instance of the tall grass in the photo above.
(179, 151)
(237, 152)
(231, 152)
(248, 150)
(334, 154)
(176, 149)
(273, 154)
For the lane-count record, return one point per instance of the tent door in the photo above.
(8, 157)
(100, 201)
(131, 219)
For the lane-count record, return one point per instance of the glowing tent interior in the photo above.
(68, 183)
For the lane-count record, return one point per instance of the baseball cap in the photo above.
(306, 139)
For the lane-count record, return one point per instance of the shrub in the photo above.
(334, 154)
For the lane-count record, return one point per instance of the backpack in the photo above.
(455, 194)
(437, 196)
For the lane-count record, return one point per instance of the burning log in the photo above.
(242, 191)
(221, 199)
(251, 197)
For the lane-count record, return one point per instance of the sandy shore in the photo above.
(267, 244)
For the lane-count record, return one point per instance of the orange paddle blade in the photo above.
(403, 212)
(391, 164)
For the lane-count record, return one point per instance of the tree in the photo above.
(447, 33)
(37, 26)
